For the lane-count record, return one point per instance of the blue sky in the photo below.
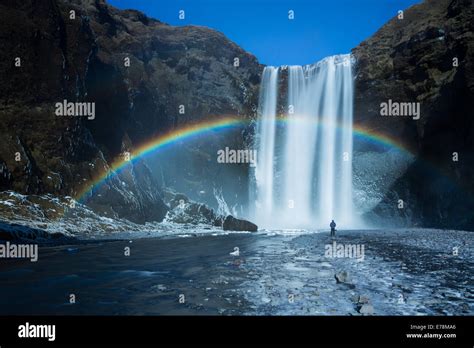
(261, 27)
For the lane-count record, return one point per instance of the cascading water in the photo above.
(266, 131)
(303, 176)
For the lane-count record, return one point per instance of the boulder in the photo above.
(342, 277)
(363, 299)
(233, 224)
(366, 309)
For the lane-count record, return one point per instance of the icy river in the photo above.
(401, 272)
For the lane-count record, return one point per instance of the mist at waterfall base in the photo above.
(303, 176)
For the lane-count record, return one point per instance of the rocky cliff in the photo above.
(427, 57)
(138, 71)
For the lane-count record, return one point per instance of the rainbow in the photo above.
(195, 130)
(361, 132)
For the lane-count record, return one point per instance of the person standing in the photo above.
(333, 228)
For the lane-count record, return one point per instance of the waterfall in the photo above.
(303, 176)
(266, 131)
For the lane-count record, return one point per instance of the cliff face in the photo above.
(85, 59)
(411, 60)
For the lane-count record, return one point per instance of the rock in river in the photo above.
(233, 224)
(366, 309)
(342, 277)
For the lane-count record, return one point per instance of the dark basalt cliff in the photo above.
(411, 60)
(83, 59)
